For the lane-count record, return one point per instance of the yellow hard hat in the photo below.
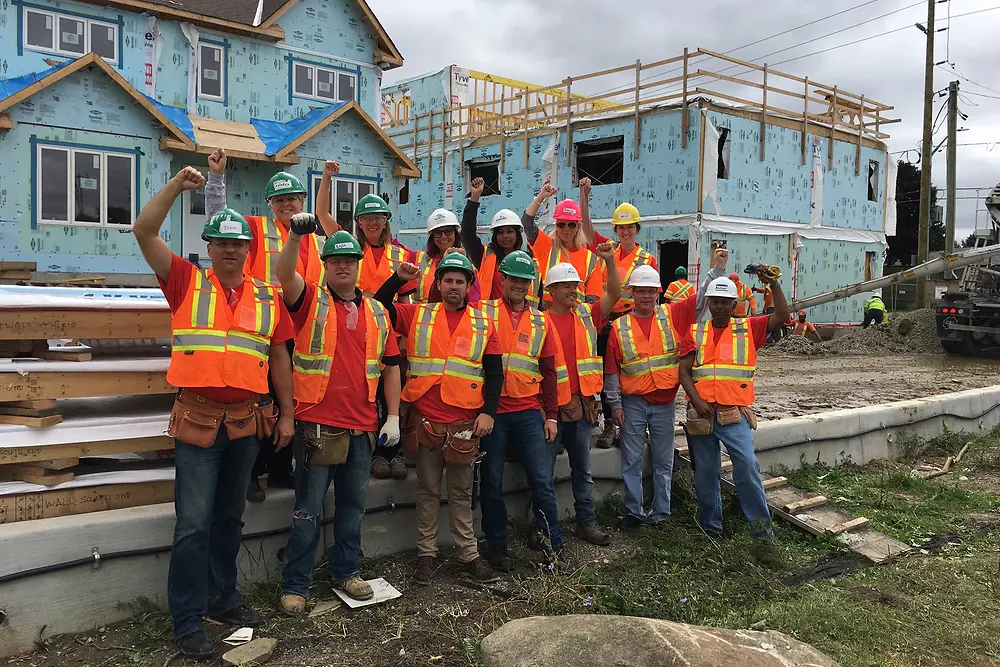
(626, 214)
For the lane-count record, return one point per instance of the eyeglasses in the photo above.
(443, 232)
(561, 225)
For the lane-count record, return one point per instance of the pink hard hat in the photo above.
(735, 277)
(567, 210)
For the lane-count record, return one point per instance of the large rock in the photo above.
(625, 641)
(253, 653)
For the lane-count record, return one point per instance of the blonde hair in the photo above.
(580, 241)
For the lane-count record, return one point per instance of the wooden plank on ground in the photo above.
(36, 422)
(848, 526)
(775, 483)
(58, 323)
(81, 450)
(805, 504)
(83, 500)
(40, 386)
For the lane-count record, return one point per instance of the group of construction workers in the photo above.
(343, 350)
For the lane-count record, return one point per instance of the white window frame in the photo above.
(222, 72)
(314, 95)
(70, 186)
(318, 178)
(54, 46)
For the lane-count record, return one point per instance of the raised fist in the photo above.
(605, 251)
(408, 271)
(217, 161)
(546, 191)
(331, 168)
(720, 256)
(189, 178)
(476, 188)
(584, 188)
(303, 224)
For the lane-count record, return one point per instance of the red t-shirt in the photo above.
(566, 330)
(431, 405)
(758, 329)
(511, 404)
(682, 314)
(346, 403)
(176, 288)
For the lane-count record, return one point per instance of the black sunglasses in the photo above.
(561, 225)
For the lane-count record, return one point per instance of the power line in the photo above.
(967, 79)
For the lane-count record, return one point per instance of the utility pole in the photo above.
(926, 156)
(949, 221)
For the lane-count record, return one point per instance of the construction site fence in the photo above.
(633, 88)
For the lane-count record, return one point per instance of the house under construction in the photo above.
(785, 170)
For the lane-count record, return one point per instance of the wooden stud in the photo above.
(525, 121)
(6, 122)
(35, 422)
(701, 166)
(54, 464)
(685, 121)
(39, 476)
(833, 124)
(807, 504)
(47, 404)
(48, 324)
(27, 412)
(848, 526)
(461, 137)
(861, 129)
(569, 121)
(805, 121)
(763, 117)
(444, 139)
(67, 502)
(18, 266)
(416, 136)
(15, 275)
(637, 120)
(20, 454)
(775, 483)
(16, 387)
(502, 149)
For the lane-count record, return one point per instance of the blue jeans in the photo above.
(210, 491)
(350, 487)
(524, 430)
(707, 458)
(575, 438)
(659, 419)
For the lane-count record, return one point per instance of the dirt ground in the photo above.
(791, 386)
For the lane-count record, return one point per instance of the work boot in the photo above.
(629, 522)
(608, 437)
(499, 558)
(381, 468)
(241, 616)
(397, 467)
(592, 534)
(196, 646)
(557, 561)
(255, 493)
(481, 571)
(424, 572)
(293, 605)
(356, 587)
(536, 541)
(765, 553)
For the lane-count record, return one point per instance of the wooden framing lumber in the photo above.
(15, 275)
(6, 122)
(34, 386)
(40, 476)
(36, 422)
(44, 324)
(637, 120)
(81, 450)
(54, 464)
(763, 117)
(82, 500)
(685, 121)
(807, 504)
(775, 483)
(848, 526)
(18, 266)
(272, 33)
(6, 409)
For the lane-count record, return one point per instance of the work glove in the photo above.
(304, 224)
(389, 432)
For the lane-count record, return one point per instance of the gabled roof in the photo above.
(255, 18)
(21, 88)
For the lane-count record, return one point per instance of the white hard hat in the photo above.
(441, 218)
(562, 273)
(506, 218)
(644, 276)
(722, 287)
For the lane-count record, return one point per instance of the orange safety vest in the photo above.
(520, 349)
(427, 265)
(801, 329)
(455, 361)
(216, 347)
(488, 269)
(723, 373)
(269, 237)
(626, 265)
(547, 259)
(648, 365)
(316, 346)
(678, 291)
(589, 365)
(742, 308)
(372, 275)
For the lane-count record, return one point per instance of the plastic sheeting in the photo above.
(9, 87)
(17, 297)
(277, 135)
(144, 365)
(93, 479)
(175, 115)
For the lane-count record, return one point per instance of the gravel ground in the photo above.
(907, 333)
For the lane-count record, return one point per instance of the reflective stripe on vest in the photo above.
(425, 264)
(644, 371)
(522, 374)
(640, 258)
(371, 275)
(589, 366)
(801, 329)
(216, 346)
(557, 257)
(678, 292)
(724, 372)
(272, 239)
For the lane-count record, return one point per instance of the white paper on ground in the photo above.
(384, 592)
(240, 637)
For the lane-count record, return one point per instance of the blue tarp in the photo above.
(175, 115)
(277, 135)
(10, 87)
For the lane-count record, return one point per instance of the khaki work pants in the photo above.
(430, 467)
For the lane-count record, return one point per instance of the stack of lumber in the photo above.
(63, 402)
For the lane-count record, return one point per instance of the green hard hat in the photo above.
(284, 183)
(456, 260)
(227, 224)
(342, 244)
(519, 264)
(681, 272)
(372, 204)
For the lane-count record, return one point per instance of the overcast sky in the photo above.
(543, 41)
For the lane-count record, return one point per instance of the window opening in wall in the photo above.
(85, 187)
(601, 160)
(344, 196)
(672, 255)
(211, 76)
(404, 192)
(326, 85)
(69, 35)
(724, 136)
(488, 169)
(869, 266)
(872, 180)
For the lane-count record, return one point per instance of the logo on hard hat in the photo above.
(624, 216)
(283, 184)
(570, 211)
(523, 260)
(344, 246)
(371, 204)
(230, 226)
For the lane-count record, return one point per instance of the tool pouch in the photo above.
(728, 414)
(461, 445)
(572, 411)
(696, 424)
(325, 445)
(195, 420)
(751, 416)
(266, 418)
(241, 421)
(590, 409)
